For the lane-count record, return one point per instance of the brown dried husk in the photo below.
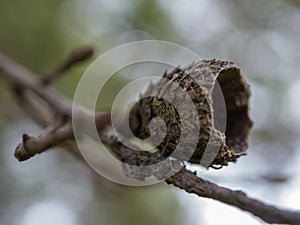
(198, 81)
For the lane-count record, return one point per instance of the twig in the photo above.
(31, 146)
(184, 179)
(78, 55)
(191, 183)
(24, 78)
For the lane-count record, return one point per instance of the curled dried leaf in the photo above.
(215, 146)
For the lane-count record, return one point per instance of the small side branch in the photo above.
(189, 182)
(22, 77)
(31, 146)
(76, 56)
(52, 137)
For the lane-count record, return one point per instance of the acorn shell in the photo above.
(198, 81)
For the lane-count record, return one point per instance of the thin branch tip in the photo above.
(82, 53)
(21, 153)
(76, 56)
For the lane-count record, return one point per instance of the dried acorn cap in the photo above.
(214, 147)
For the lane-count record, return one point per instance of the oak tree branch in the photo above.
(26, 80)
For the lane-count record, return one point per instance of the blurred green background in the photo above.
(54, 188)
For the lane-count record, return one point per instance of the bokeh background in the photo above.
(55, 188)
